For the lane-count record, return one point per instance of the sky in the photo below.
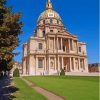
(80, 17)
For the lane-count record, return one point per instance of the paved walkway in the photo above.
(42, 91)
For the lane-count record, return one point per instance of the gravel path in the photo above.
(42, 91)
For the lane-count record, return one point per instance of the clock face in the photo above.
(50, 14)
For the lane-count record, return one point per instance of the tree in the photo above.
(16, 73)
(10, 29)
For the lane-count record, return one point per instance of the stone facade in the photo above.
(53, 48)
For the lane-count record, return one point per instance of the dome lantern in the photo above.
(49, 5)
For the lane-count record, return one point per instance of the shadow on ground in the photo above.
(6, 89)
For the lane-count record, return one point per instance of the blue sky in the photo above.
(80, 17)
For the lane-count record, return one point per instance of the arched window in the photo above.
(40, 46)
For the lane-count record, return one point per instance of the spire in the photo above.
(49, 4)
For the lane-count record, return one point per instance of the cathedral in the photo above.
(53, 48)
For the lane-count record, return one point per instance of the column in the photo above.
(65, 49)
(58, 64)
(54, 43)
(61, 44)
(74, 64)
(70, 64)
(29, 64)
(79, 64)
(48, 43)
(57, 44)
(49, 64)
(62, 63)
(77, 47)
(45, 63)
(55, 63)
(86, 64)
(73, 45)
(36, 65)
(36, 62)
(24, 66)
(69, 44)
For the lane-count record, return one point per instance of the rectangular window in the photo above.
(51, 30)
(57, 21)
(40, 63)
(51, 21)
(71, 45)
(79, 49)
(40, 46)
(43, 33)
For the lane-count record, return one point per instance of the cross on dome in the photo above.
(49, 0)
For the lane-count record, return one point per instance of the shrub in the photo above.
(16, 73)
(62, 73)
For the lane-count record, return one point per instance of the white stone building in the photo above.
(53, 48)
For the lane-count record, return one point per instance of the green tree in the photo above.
(16, 73)
(10, 29)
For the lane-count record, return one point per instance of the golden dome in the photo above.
(49, 12)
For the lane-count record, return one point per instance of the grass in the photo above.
(25, 92)
(71, 88)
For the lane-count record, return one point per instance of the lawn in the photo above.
(70, 87)
(25, 92)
